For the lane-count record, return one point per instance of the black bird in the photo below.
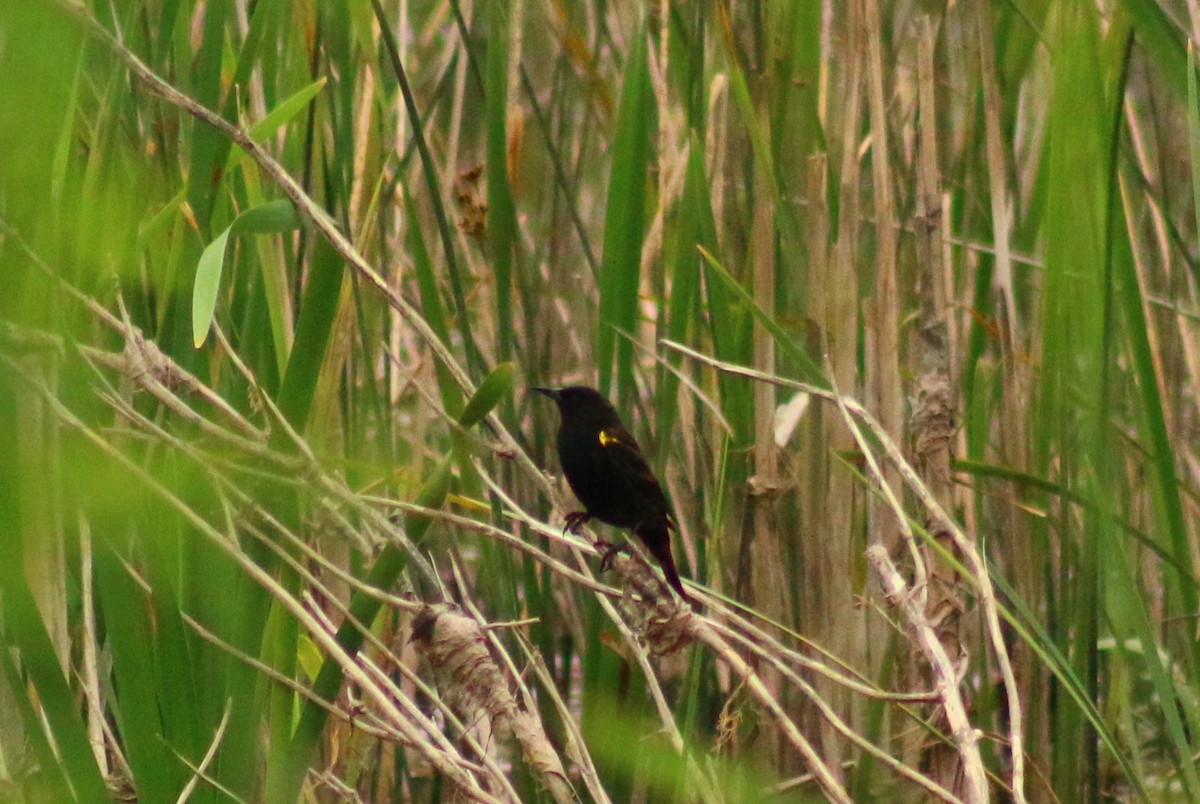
(607, 472)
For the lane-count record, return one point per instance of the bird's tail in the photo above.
(657, 539)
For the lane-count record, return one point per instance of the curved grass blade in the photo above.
(274, 216)
(811, 372)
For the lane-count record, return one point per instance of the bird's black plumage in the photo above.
(607, 472)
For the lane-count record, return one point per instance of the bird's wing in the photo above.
(620, 445)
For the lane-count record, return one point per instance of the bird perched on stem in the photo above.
(607, 472)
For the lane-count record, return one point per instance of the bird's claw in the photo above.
(575, 520)
(608, 552)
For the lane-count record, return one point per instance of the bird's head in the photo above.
(580, 403)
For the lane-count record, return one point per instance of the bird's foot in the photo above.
(608, 552)
(576, 520)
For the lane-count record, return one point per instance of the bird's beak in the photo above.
(550, 392)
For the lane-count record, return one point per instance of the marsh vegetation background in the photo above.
(899, 298)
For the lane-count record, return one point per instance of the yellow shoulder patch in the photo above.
(607, 438)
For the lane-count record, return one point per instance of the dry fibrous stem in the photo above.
(661, 619)
(966, 736)
(456, 648)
